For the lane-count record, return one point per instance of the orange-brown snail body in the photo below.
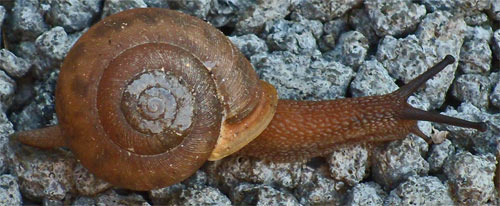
(146, 96)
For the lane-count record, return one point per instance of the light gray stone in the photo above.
(198, 8)
(42, 174)
(349, 163)
(261, 195)
(439, 154)
(361, 22)
(87, 183)
(471, 178)
(372, 79)
(399, 160)
(495, 9)
(473, 88)
(73, 15)
(115, 6)
(227, 12)
(475, 55)
(332, 31)
(13, 65)
(350, 50)
(303, 77)
(249, 44)
(394, 17)
(496, 44)
(254, 19)
(317, 189)
(7, 89)
(233, 170)
(495, 94)
(9, 191)
(203, 196)
(420, 191)
(369, 193)
(325, 10)
(27, 20)
(283, 35)
(3, 13)
(460, 7)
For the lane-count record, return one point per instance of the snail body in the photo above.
(146, 96)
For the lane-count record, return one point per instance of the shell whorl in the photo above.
(143, 93)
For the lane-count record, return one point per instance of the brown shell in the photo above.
(116, 57)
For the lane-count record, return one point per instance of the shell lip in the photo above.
(234, 136)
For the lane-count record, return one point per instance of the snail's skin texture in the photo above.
(146, 96)
(305, 129)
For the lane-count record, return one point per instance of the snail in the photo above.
(146, 96)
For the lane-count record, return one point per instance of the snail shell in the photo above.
(144, 95)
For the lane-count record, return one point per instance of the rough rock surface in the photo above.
(308, 50)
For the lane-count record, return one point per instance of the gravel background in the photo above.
(316, 49)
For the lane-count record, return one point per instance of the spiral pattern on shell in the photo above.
(144, 93)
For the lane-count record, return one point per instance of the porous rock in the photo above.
(471, 178)
(420, 191)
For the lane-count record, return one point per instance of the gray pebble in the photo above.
(475, 55)
(13, 65)
(476, 19)
(496, 44)
(372, 79)
(317, 189)
(27, 20)
(42, 174)
(349, 163)
(261, 195)
(9, 191)
(369, 193)
(6, 129)
(255, 18)
(403, 58)
(40, 112)
(495, 94)
(302, 76)
(471, 178)
(470, 138)
(394, 17)
(350, 50)
(7, 89)
(87, 183)
(495, 9)
(325, 10)
(157, 3)
(202, 196)
(115, 6)
(473, 88)
(440, 34)
(73, 15)
(283, 35)
(111, 197)
(420, 191)
(249, 44)
(227, 12)
(2, 17)
(166, 195)
(332, 31)
(460, 7)
(233, 170)
(198, 8)
(361, 22)
(439, 154)
(399, 160)
(54, 44)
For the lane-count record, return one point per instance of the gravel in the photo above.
(309, 50)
